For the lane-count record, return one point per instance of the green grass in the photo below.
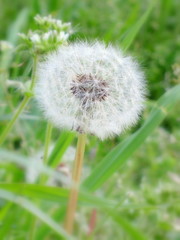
(132, 181)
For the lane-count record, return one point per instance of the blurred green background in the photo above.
(147, 186)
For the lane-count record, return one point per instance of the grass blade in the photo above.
(12, 36)
(17, 26)
(30, 207)
(129, 36)
(55, 194)
(131, 231)
(120, 154)
(61, 146)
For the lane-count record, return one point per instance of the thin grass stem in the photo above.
(47, 141)
(22, 105)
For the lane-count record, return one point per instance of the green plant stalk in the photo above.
(43, 177)
(16, 115)
(33, 73)
(73, 197)
(22, 105)
(47, 141)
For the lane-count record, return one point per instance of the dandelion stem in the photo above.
(77, 169)
(22, 105)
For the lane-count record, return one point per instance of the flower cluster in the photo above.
(51, 33)
(52, 23)
(91, 88)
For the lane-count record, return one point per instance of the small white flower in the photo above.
(91, 88)
(63, 36)
(50, 22)
(35, 38)
(47, 20)
(50, 34)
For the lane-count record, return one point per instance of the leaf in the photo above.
(12, 36)
(30, 207)
(61, 146)
(132, 32)
(4, 211)
(131, 231)
(55, 194)
(17, 26)
(120, 154)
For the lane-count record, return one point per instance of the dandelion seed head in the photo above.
(91, 88)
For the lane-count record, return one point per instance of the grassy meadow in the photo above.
(130, 184)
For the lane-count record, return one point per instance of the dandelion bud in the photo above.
(91, 88)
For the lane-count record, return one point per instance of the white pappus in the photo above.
(91, 88)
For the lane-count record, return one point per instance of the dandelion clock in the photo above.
(91, 89)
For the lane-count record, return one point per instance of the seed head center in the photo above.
(88, 88)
